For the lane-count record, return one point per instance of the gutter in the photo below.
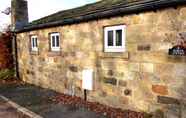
(130, 8)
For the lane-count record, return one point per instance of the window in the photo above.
(55, 42)
(34, 43)
(114, 38)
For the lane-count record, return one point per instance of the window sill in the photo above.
(54, 53)
(55, 49)
(34, 52)
(123, 55)
(115, 49)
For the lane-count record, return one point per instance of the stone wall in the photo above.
(143, 78)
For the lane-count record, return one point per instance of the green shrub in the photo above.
(7, 73)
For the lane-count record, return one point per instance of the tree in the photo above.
(6, 58)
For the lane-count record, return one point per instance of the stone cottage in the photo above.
(133, 51)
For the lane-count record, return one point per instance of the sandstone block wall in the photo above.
(143, 78)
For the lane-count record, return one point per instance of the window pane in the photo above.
(110, 38)
(35, 42)
(53, 41)
(118, 37)
(57, 41)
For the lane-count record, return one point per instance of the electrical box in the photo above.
(87, 79)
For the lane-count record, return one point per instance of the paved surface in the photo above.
(6, 111)
(61, 111)
(38, 100)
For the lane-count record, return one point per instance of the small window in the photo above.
(34, 43)
(114, 38)
(55, 42)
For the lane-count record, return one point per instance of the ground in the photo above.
(7, 111)
(50, 104)
(39, 101)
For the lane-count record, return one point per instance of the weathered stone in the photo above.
(158, 114)
(131, 47)
(164, 69)
(56, 59)
(73, 54)
(54, 54)
(103, 94)
(28, 71)
(127, 92)
(124, 55)
(170, 21)
(119, 75)
(173, 111)
(183, 13)
(154, 79)
(183, 110)
(144, 47)
(134, 67)
(168, 100)
(122, 83)
(180, 70)
(141, 104)
(34, 52)
(130, 75)
(110, 80)
(40, 69)
(147, 67)
(110, 73)
(73, 68)
(160, 89)
(124, 100)
(108, 89)
(178, 90)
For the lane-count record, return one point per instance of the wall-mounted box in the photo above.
(87, 79)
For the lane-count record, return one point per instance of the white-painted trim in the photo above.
(54, 48)
(33, 48)
(114, 48)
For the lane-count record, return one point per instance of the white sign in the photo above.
(87, 82)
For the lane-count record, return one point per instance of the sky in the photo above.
(41, 8)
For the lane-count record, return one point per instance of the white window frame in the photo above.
(33, 43)
(54, 48)
(114, 48)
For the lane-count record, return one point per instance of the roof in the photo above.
(98, 10)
